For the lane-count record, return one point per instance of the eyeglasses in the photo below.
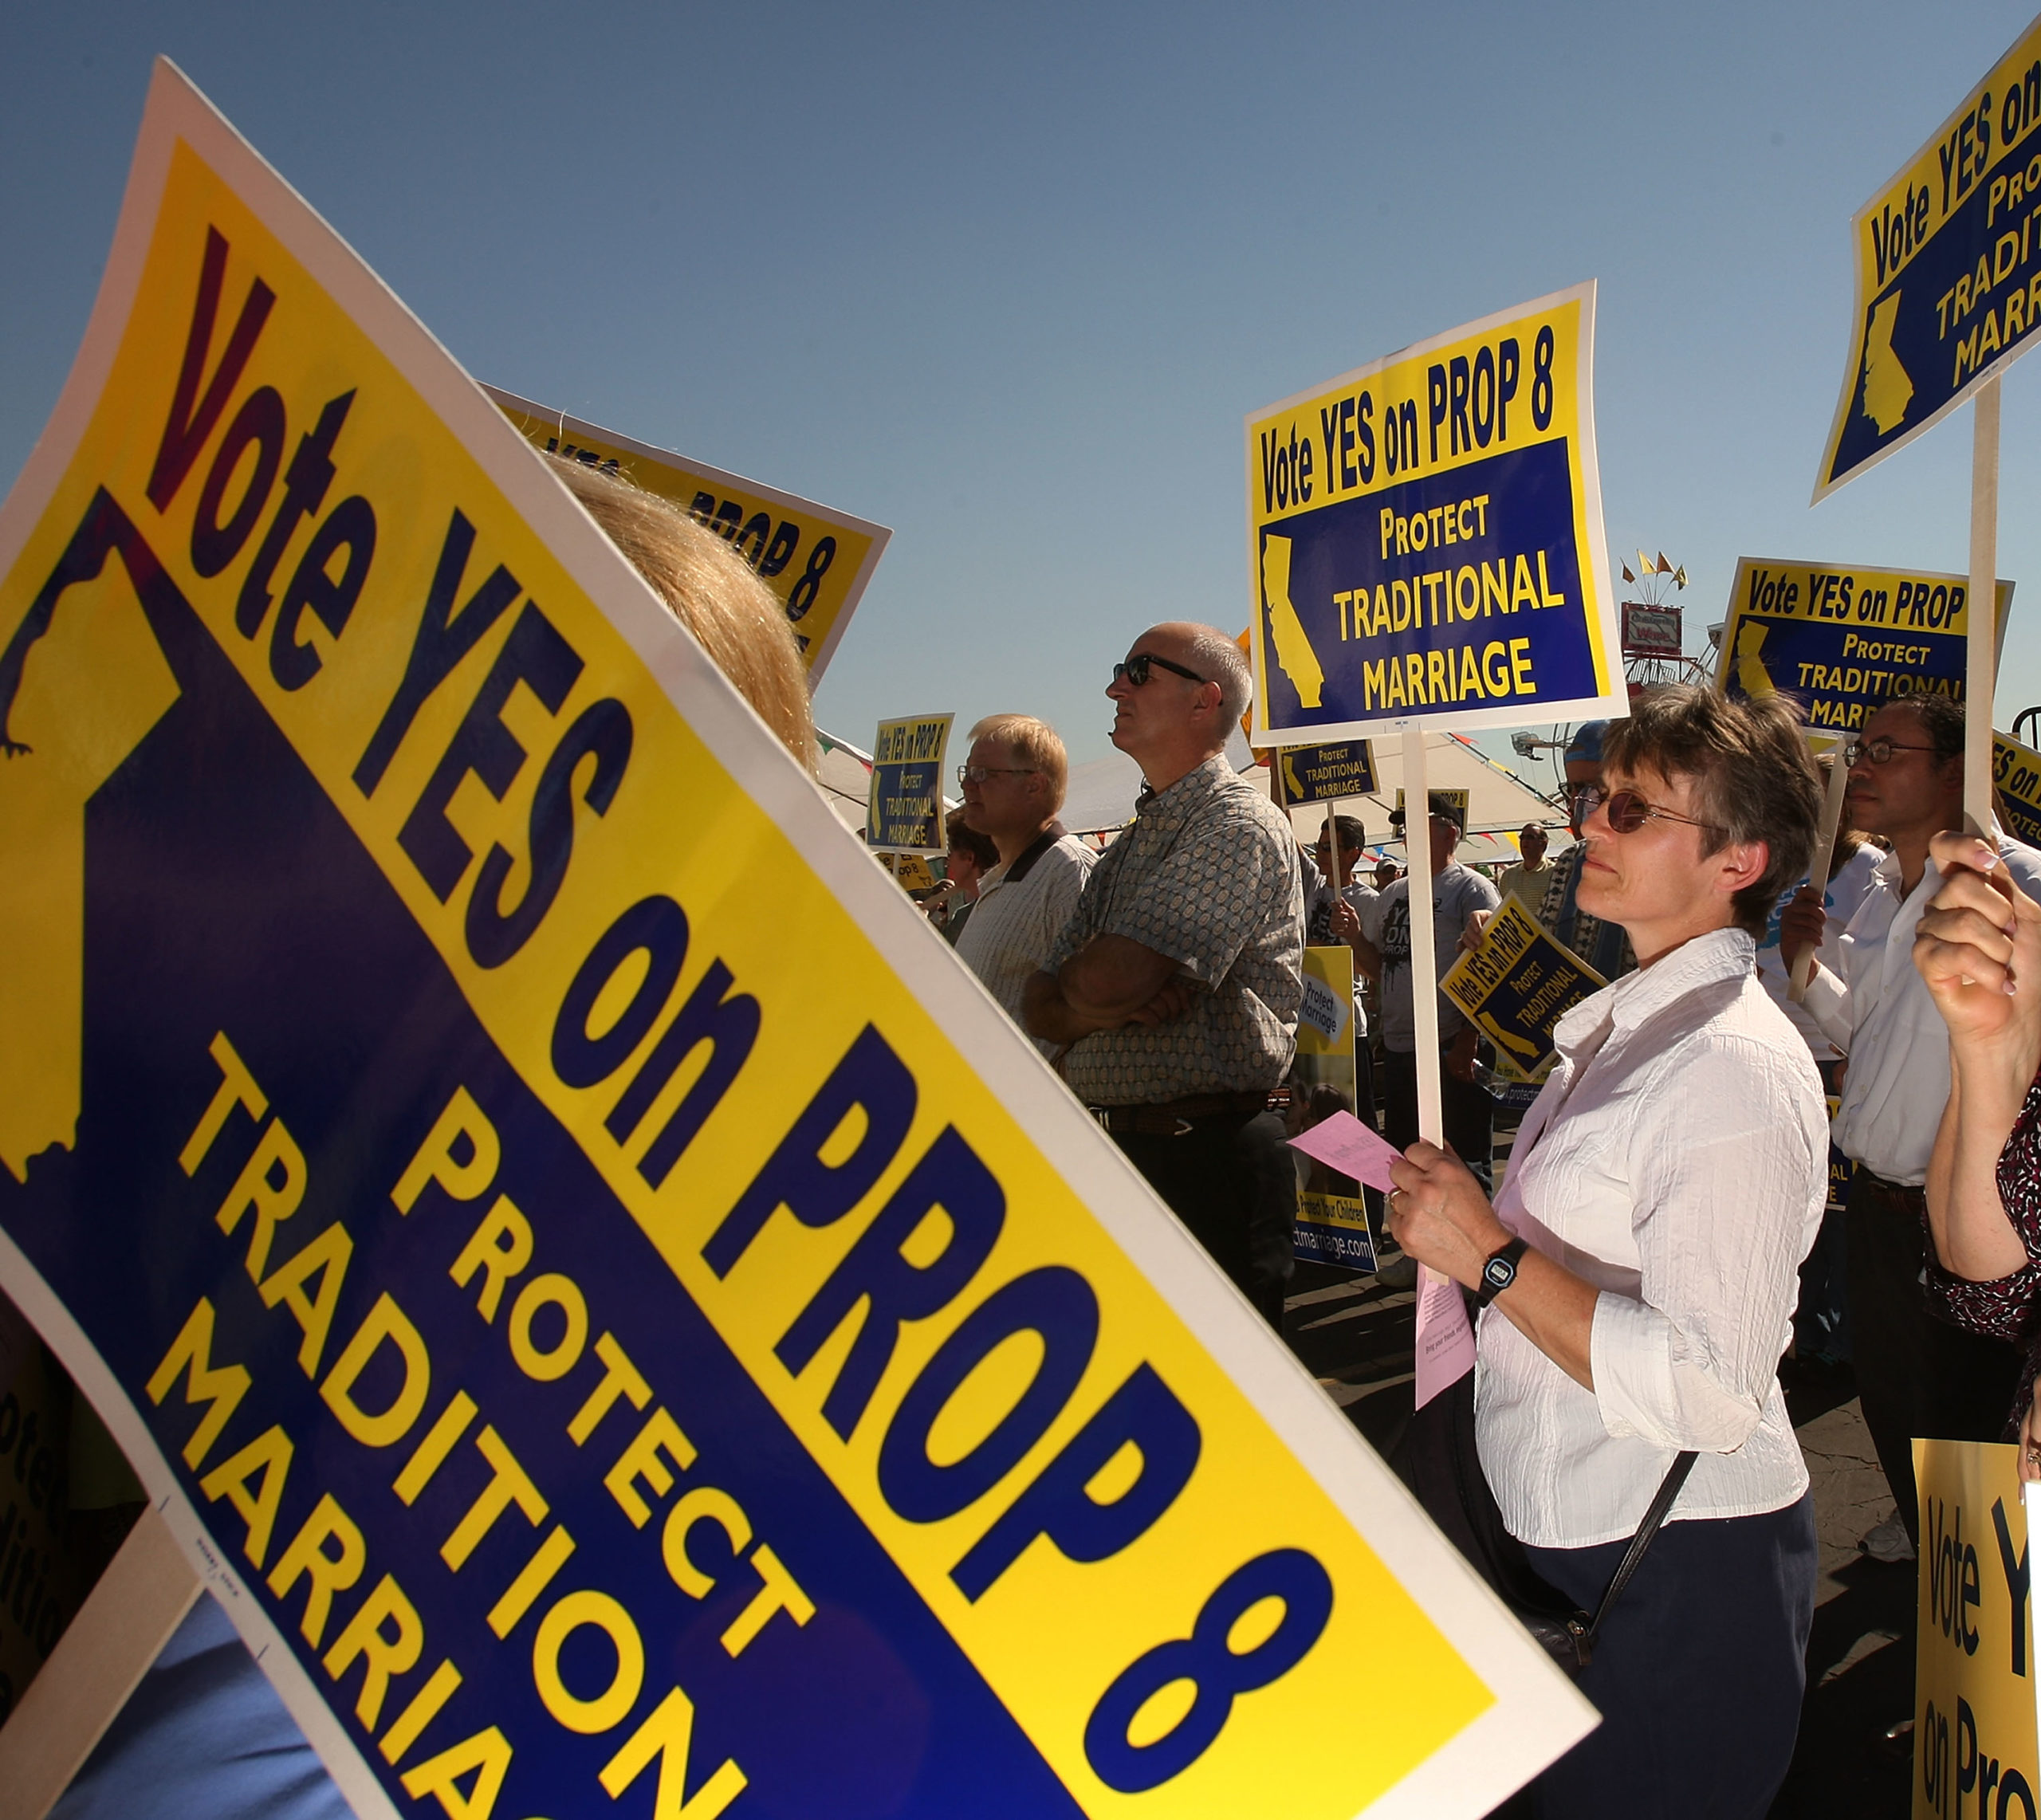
(978, 773)
(1627, 811)
(1135, 670)
(1879, 751)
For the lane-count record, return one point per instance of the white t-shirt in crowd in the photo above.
(1457, 893)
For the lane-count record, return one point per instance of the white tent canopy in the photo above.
(1102, 793)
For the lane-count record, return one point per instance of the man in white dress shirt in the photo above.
(1013, 783)
(1916, 1374)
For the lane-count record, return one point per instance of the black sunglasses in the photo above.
(1135, 670)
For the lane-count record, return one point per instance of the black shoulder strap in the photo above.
(1669, 1489)
(1041, 843)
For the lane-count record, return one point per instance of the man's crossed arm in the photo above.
(1107, 984)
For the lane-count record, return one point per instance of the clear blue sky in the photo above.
(1008, 280)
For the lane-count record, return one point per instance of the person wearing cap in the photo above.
(1605, 946)
(1382, 949)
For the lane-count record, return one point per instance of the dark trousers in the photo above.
(1470, 1114)
(1916, 1375)
(1698, 1671)
(1229, 1179)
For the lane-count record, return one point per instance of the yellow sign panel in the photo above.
(510, 1114)
(1425, 538)
(1974, 1675)
(903, 812)
(1947, 270)
(1843, 641)
(2016, 774)
(818, 560)
(1516, 986)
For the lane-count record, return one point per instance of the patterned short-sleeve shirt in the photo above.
(1208, 876)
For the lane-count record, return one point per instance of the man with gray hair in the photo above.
(1013, 783)
(1172, 994)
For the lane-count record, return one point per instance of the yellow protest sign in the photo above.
(1307, 774)
(903, 814)
(1974, 1679)
(1459, 799)
(1843, 641)
(1424, 537)
(473, 1122)
(1947, 269)
(2016, 774)
(818, 560)
(911, 869)
(1517, 985)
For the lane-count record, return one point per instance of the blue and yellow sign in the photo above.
(1947, 270)
(904, 812)
(1306, 774)
(619, 1319)
(1974, 1672)
(2016, 775)
(1843, 642)
(817, 559)
(1424, 537)
(1517, 985)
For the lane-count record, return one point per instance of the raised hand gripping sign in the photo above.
(1424, 537)
(473, 1123)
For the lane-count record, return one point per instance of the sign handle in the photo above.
(1832, 818)
(1333, 834)
(1979, 683)
(1424, 948)
(118, 1633)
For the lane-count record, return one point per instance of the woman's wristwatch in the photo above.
(1499, 1272)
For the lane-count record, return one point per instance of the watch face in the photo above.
(1499, 1272)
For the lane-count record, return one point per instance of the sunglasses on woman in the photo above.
(1627, 811)
(1135, 669)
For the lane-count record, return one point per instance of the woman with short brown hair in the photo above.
(1641, 1260)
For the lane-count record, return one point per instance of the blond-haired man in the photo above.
(1013, 783)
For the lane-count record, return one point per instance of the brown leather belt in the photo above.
(1177, 1117)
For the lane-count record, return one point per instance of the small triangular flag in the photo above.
(1627, 575)
(1644, 563)
(1681, 576)
(1664, 567)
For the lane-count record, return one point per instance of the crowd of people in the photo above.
(1662, 1237)
(1636, 1274)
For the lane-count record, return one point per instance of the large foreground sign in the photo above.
(1424, 537)
(1947, 269)
(618, 1318)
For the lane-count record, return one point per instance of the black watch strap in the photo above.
(1499, 1272)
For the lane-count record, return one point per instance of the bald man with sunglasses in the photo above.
(1174, 992)
(1916, 1374)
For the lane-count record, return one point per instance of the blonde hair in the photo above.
(1034, 743)
(711, 591)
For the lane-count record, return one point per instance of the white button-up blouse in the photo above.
(1677, 1160)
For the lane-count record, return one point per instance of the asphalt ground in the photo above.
(1355, 1336)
